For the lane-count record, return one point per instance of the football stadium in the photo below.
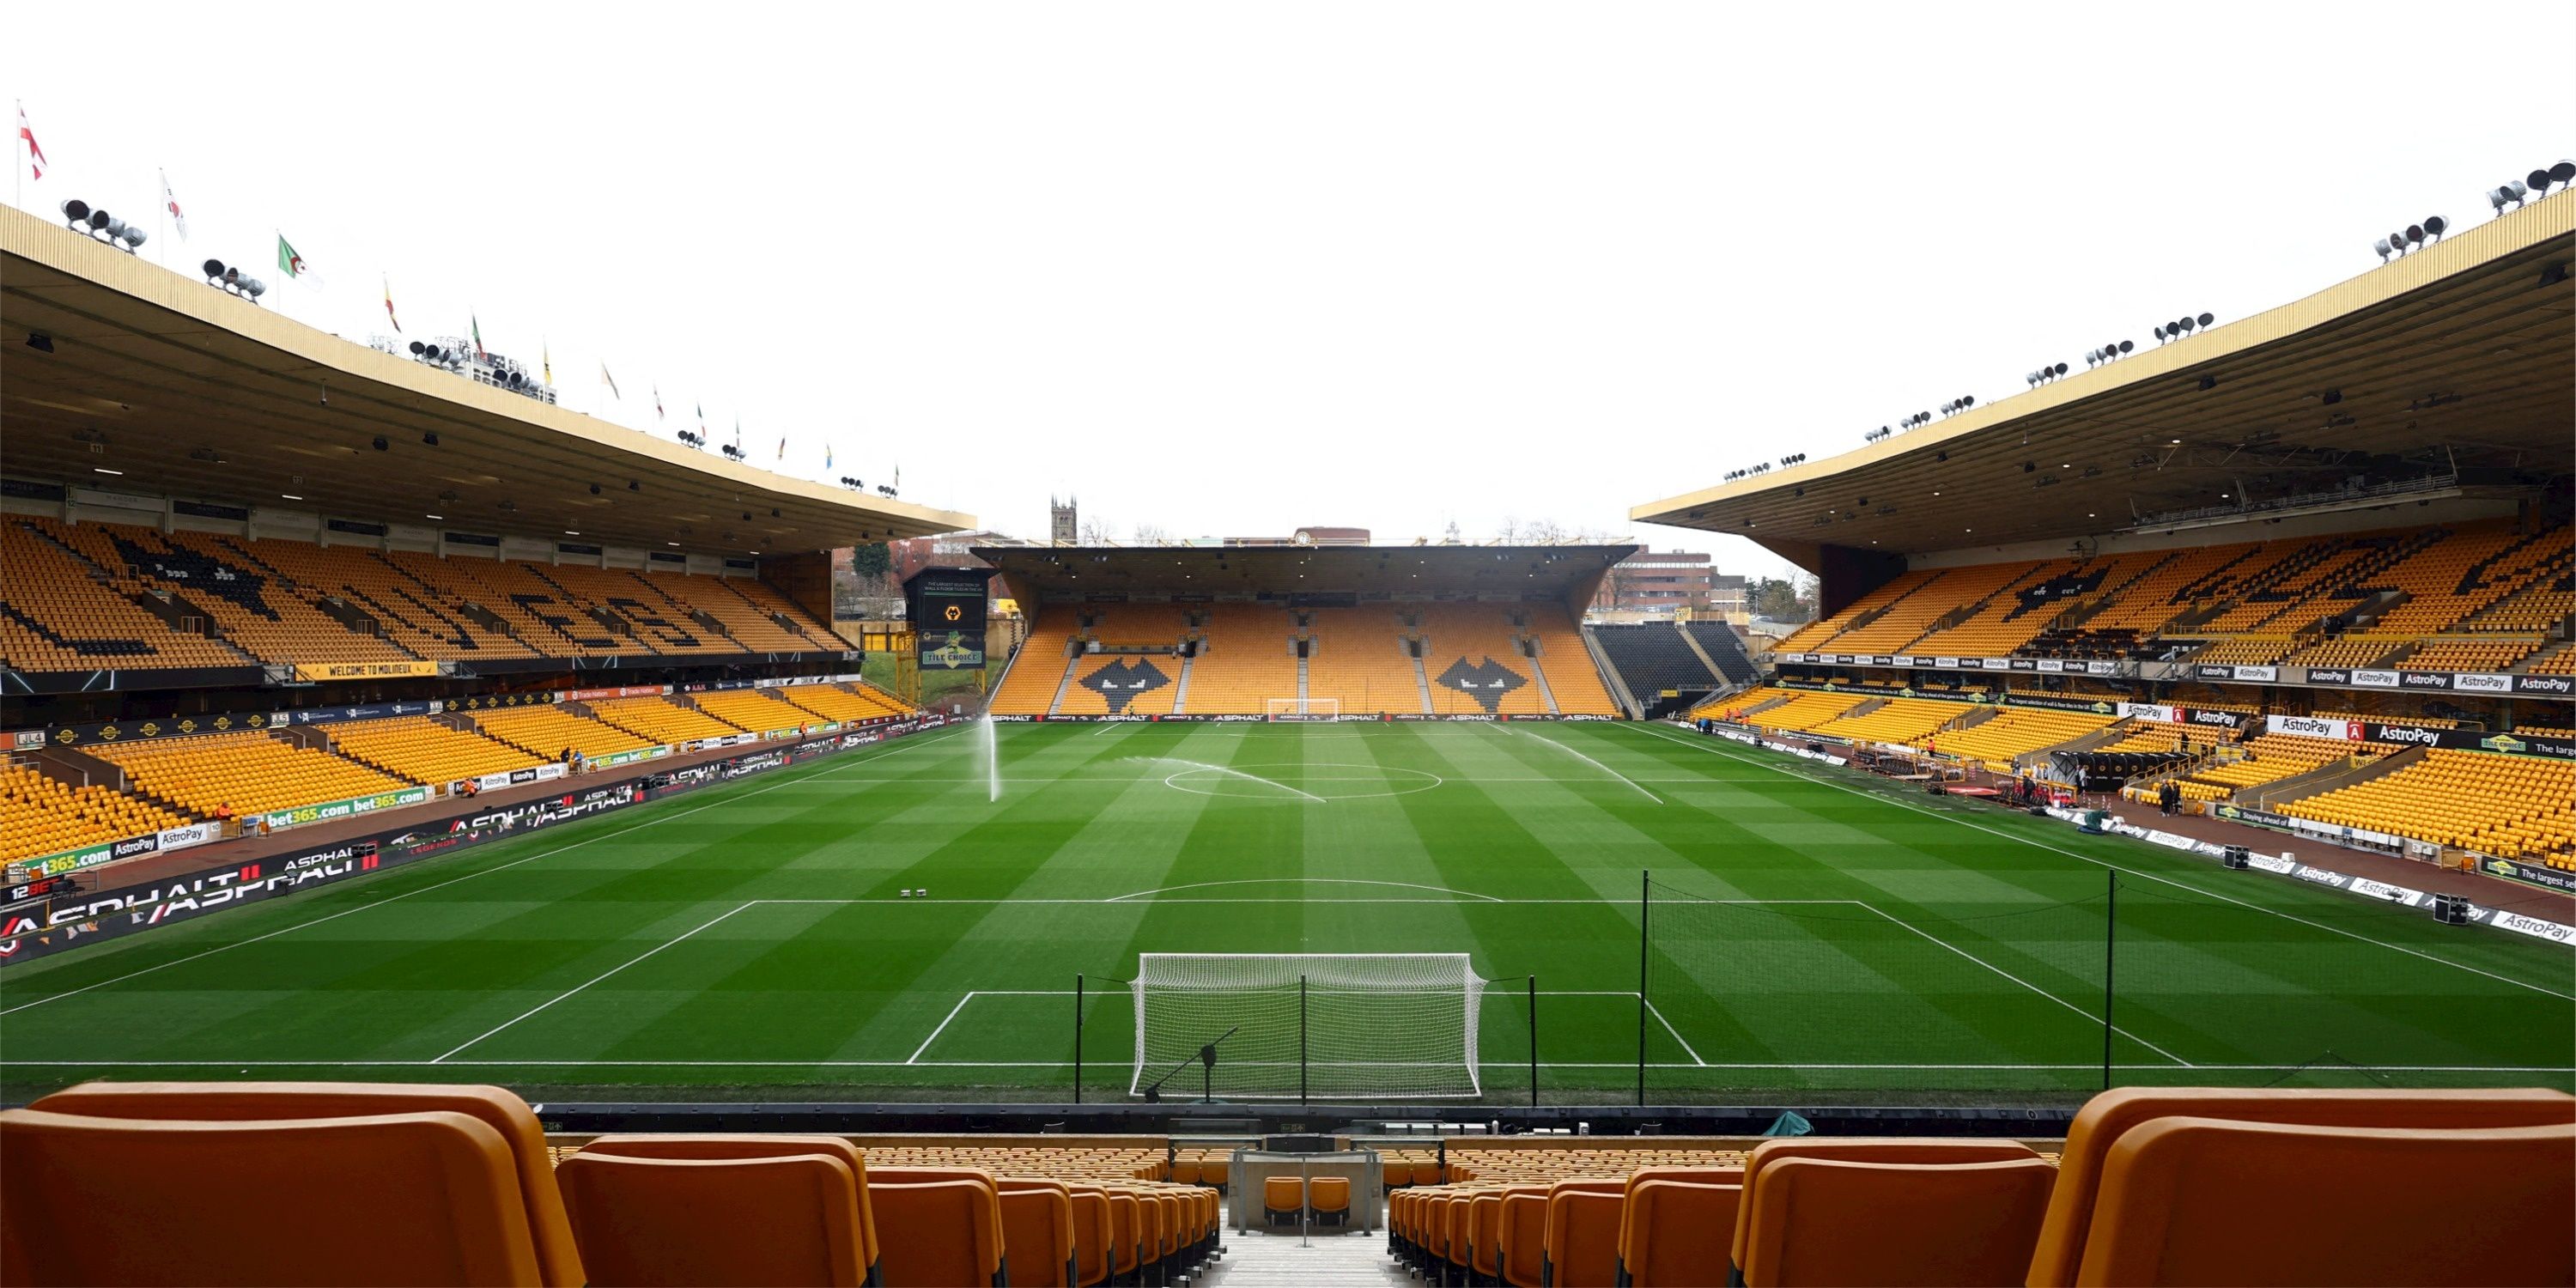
(451, 837)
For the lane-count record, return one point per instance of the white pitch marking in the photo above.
(378, 903)
(1407, 885)
(2024, 983)
(1220, 769)
(587, 983)
(1653, 1010)
(1598, 765)
(943, 1027)
(2105, 863)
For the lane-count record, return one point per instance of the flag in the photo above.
(702, 420)
(292, 264)
(546, 359)
(782, 447)
(171, 200)
(35, 155)
(476, 324)
(737, 433)
(611, 382)
(657, 402)
(389, 306)
(827, 456)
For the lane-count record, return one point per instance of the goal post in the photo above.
(1320, 1026)
(1301, 708)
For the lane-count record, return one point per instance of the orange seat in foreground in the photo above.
(792, 1218)
(2105, 1118)
(939, 1232)
(791, 1234)
(1961, 1224)
(1038, 1232)
(557, 1260)
(2206, 1200)
(1675, 1232)
(419, 1198)
(1887, 1149)
(1583, 1233)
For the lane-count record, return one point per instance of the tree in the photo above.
(1096, 533)
(1779, 599)
(1151, 534)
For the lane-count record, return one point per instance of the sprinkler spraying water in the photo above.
(992, 763)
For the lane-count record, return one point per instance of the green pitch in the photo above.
(1814, 934)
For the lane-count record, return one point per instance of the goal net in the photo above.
(1301, 708)
(1325, 1026)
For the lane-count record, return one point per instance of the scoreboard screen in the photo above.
(948, 617)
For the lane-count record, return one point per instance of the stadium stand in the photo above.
(2512, 806)
(753, 710)
(422, 750)
(1122, 684)
(1357, 657)
(1805, 710)
(1473, 657)
(1950, 592)
(1813, 635)
(360, 582)
(1245, 661)
(549, 731)
(1572, 678)
(60, 612)
(1896, 720)
(660, 720)
(846, 703)
(1038, 667)
(2014, 732)
(41, 815)
(1724, 647)
(73, 602)
(2272, 757)
(1654, 658)
(245, 773)
(2468, 654)
(2347, 601)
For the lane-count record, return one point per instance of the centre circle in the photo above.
(1314, 778)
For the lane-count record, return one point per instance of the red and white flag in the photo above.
(35, 155)
(171, 199)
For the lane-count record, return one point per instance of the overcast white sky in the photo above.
(1230, 269)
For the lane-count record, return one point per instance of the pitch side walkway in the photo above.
(2485, 891)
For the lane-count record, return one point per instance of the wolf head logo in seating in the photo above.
(1486, 683)
(1119, 682)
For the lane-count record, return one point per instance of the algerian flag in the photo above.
(293, 265)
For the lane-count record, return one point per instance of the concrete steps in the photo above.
(1328, 1260)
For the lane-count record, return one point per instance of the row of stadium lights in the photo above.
(2531, 187)
(1795, 458)
(2535, 185)
(102, 226)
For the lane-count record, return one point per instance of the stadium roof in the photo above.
(2457, 354)
(1076, 572)
(194, 393)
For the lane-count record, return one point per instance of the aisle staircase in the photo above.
(1326, 1259)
